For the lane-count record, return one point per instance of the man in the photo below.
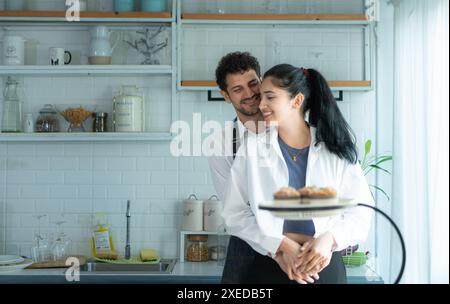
(239, 77)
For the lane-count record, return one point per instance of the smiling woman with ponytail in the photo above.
(319, 105)
(312, 145)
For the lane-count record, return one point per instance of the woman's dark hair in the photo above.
(233, 63)
(324, 113)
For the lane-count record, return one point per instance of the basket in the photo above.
(355, 259)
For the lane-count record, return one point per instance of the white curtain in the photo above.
(421, 138)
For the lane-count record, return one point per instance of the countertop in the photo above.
(183, 273)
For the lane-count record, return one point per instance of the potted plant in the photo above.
(374, 162)
(350, 255)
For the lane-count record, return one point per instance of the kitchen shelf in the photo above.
(67, 70)
(84, 137)
(196, 18)
(348, 85)
(97, 17)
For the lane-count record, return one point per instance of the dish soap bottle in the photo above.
(102, 240)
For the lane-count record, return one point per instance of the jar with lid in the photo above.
(212, 219)
(197, 248)
(192, 214)
(128, 110)
(48, 119)
(99, 122)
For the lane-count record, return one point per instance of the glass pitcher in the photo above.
(12, 109)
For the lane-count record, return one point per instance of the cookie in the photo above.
(286, 193)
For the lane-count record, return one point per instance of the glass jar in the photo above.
(197, 248)
(47, 120)
(99, 123)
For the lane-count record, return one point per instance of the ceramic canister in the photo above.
(153, 5)
(212, 215)
(123, 5)
(13, 50)
(192, 214)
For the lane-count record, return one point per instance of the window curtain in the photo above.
(420, 200)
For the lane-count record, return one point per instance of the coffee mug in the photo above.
(57, 56)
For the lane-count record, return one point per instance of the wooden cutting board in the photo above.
(56, 264)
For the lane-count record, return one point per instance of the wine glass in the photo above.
(41, 250)
(61, 246)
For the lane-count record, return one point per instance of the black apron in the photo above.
(266, 270)
(240, 255)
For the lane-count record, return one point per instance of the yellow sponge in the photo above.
(148, 255)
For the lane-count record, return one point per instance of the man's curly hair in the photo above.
(233, 63)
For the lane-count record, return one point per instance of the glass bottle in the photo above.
(12, 109)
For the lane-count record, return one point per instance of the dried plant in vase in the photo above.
(148, 45)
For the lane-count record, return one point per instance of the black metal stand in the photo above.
(402, 268)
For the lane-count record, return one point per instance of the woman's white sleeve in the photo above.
(353, 226)
(240, 218)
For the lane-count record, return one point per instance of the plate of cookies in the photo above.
(306, 203)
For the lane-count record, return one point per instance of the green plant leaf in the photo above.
(383, 160)
(379, 168)
(381, 190)
(368, 147)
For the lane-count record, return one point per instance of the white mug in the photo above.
(57, 56)
(13, 50)
(28, 123)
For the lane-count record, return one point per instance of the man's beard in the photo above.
(248, 113)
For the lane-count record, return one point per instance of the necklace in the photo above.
(295, 156)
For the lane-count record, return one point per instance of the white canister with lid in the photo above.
(192, 214)
(128, 110)
(13, 50)
(212, 215)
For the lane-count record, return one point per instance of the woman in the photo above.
(318, 151)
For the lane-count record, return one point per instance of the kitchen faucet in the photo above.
(127, 245)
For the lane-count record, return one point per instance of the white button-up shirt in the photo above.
(260, 170)
(220, 165)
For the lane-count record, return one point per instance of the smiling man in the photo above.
(239, 78)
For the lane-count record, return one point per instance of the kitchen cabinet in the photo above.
(337, 44)
(51, 28)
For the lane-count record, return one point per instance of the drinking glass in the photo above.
(41, 251)
(62, 243)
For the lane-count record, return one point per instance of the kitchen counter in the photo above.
(183, 273)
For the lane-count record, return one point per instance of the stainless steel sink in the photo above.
(163, 267)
